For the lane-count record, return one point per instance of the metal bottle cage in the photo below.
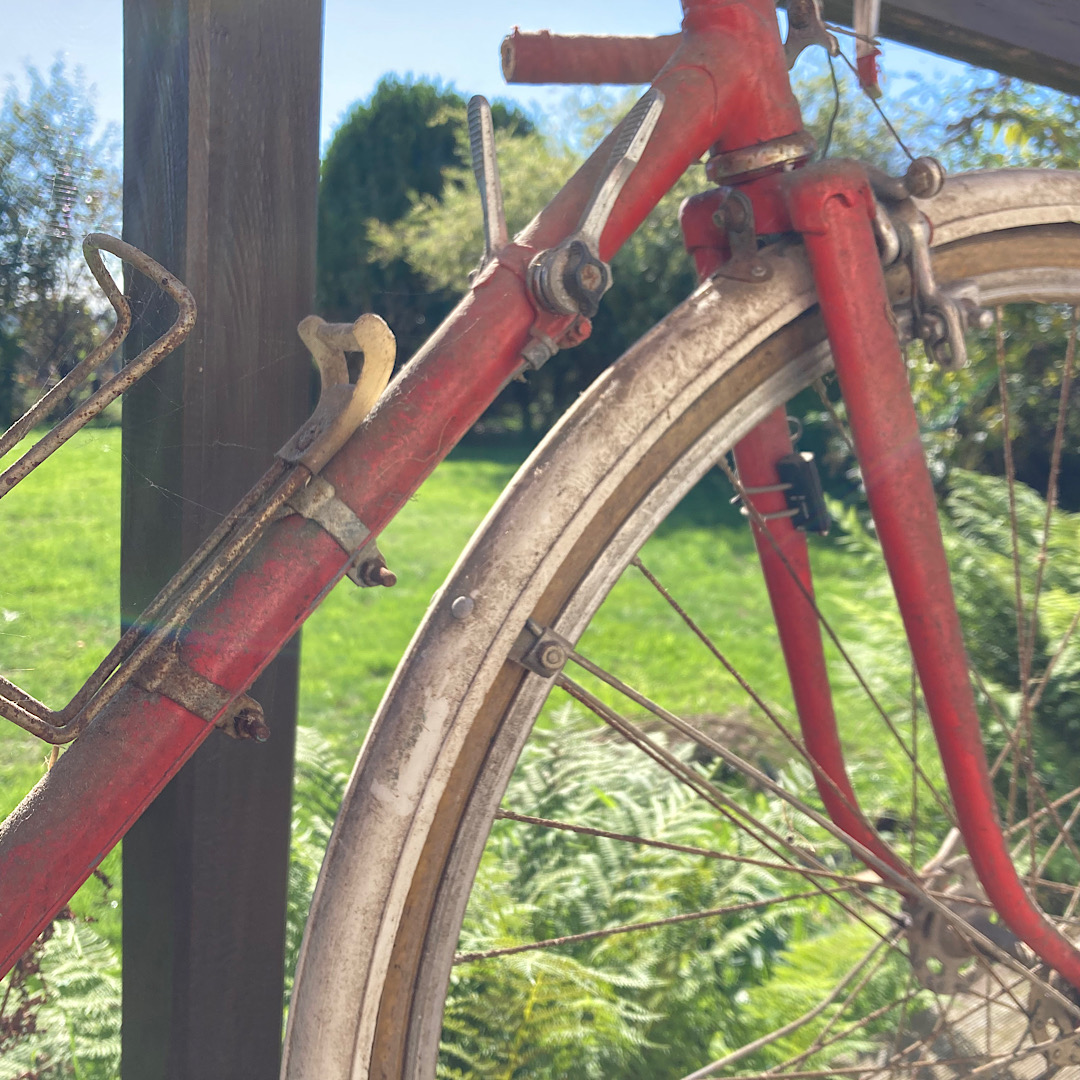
(148, 651)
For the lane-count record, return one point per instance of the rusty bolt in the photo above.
(800, 13)
(590, 277)
(551, 656)
(376, 572)
(251, 724)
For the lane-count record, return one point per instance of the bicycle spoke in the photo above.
(834, 638)
(794, 1025)
(592, 935)
(745, 860)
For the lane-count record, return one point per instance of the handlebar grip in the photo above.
(543, 57)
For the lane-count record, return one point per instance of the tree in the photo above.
(440, 235)
(391, 148)
(58, 180)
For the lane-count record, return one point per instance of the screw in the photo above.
(462, 607)
(590, 277)
(551, 656)
(250, 724)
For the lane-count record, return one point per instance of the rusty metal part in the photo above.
(342, 404)
(941, 959)
(485, 165)
(369, 569)
(1044, 1010)
(541, 650)
(166, 673)
(544, 57)
(806, 28)
(735, 166)
(941, 317)
(318, 502)
(736, 218)
(924, 178)
(130, 374)
(571, 278)
(193, 583)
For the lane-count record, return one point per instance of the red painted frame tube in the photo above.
(727, 84)
(800, 632)
(543, 57)
(785, 548)
(831, 205)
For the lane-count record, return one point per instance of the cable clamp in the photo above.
(319, 502)
(238, 715)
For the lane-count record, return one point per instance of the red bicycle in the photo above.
(805, 267)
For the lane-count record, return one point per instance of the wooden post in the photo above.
(221, 138)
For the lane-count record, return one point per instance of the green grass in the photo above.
(58, 600)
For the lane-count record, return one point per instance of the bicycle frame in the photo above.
(726, 89)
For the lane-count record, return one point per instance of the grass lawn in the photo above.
(59, 607)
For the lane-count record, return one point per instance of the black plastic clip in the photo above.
(798, 473)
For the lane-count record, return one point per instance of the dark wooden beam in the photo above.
(221, 130)
(1038, 40)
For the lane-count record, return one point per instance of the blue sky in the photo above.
(363, 40)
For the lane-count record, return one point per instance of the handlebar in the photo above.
(543, 57)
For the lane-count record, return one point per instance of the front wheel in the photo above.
(785, 926)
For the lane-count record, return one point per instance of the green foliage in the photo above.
(58, 180)
(318, 788)
(441, 237)
(638, 1003)
(389, 150)
(60, 1011)
(1006, 122)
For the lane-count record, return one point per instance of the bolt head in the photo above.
(924, 177)
(250, 724)
(462, 607)
(590, 277)
(552, 656)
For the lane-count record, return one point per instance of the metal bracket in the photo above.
(318, 502)
(806, 28)
(166, 673)
(541, 650)
(942, 316)
(342, 404)
(571, 278)
(736, 218)
(940, 958)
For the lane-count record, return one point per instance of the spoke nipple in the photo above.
(462, 607)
